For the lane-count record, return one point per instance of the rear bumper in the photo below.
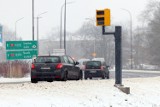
(46, 75)
(97, 73)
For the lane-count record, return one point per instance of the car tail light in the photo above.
(57, 77)
(33, 66)
(59, 66)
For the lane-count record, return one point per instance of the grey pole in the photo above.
(61, 27)
(32, 19)
(16, 27)
(65, 28)
(61, 23)
(38, 33)
(38, 17)
(118, 55)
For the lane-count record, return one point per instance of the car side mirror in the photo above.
(76, 63)
(34, 60)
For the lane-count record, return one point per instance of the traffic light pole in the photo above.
(118, 58)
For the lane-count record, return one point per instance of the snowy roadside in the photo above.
(14, 80)
(145, 92)
(147, 71)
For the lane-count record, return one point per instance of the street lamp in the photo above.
(61, 23)
(16, 26)
(94, 54)
(38, 17)
(131, 55)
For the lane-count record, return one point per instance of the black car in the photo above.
(96, 69)
(49, 68)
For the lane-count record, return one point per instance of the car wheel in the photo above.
(33, 80)
(50, 80)
(90, 77)
(103, 76)
(108, 76)
(65, 77)
(85, 78)
(80, 75)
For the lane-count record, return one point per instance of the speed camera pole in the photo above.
(103, 19)
(118, 58)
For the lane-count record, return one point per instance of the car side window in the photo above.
(70, 60)
(62, 60)
(66, 60)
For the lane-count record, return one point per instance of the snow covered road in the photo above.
(145, 92)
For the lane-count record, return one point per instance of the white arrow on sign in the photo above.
(34, 46)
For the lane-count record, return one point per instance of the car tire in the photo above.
(107, 76)
(90, 77)
(33, 80)
(80, 75)
(64, 77)
(50, 80)
(103, 75)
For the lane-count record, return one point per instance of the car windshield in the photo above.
(47, 59)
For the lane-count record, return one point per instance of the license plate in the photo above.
(45, 67)
(93, 71)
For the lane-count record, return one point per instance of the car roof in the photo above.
(84, 60)
(93, 61)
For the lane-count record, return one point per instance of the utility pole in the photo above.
(16, 27)
(38, 17)
(65, 28)
(32, 19)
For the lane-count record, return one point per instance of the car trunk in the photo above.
(45, 67)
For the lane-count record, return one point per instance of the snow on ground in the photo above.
(145, 92)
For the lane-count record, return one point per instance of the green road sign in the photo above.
(27, 54)
(17, 45)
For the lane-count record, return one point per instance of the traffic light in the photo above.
(103, 17)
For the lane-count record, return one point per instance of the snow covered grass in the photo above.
(145, 92)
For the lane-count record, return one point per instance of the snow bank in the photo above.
(145, 92)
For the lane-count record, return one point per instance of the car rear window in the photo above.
(49, 59)
(96, 64)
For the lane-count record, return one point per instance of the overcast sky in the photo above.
(77, 12)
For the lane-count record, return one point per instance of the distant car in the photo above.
(96, 69)
(82, 63)
(98, 59)
(49, 68)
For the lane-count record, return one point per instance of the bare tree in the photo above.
(153, 31)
